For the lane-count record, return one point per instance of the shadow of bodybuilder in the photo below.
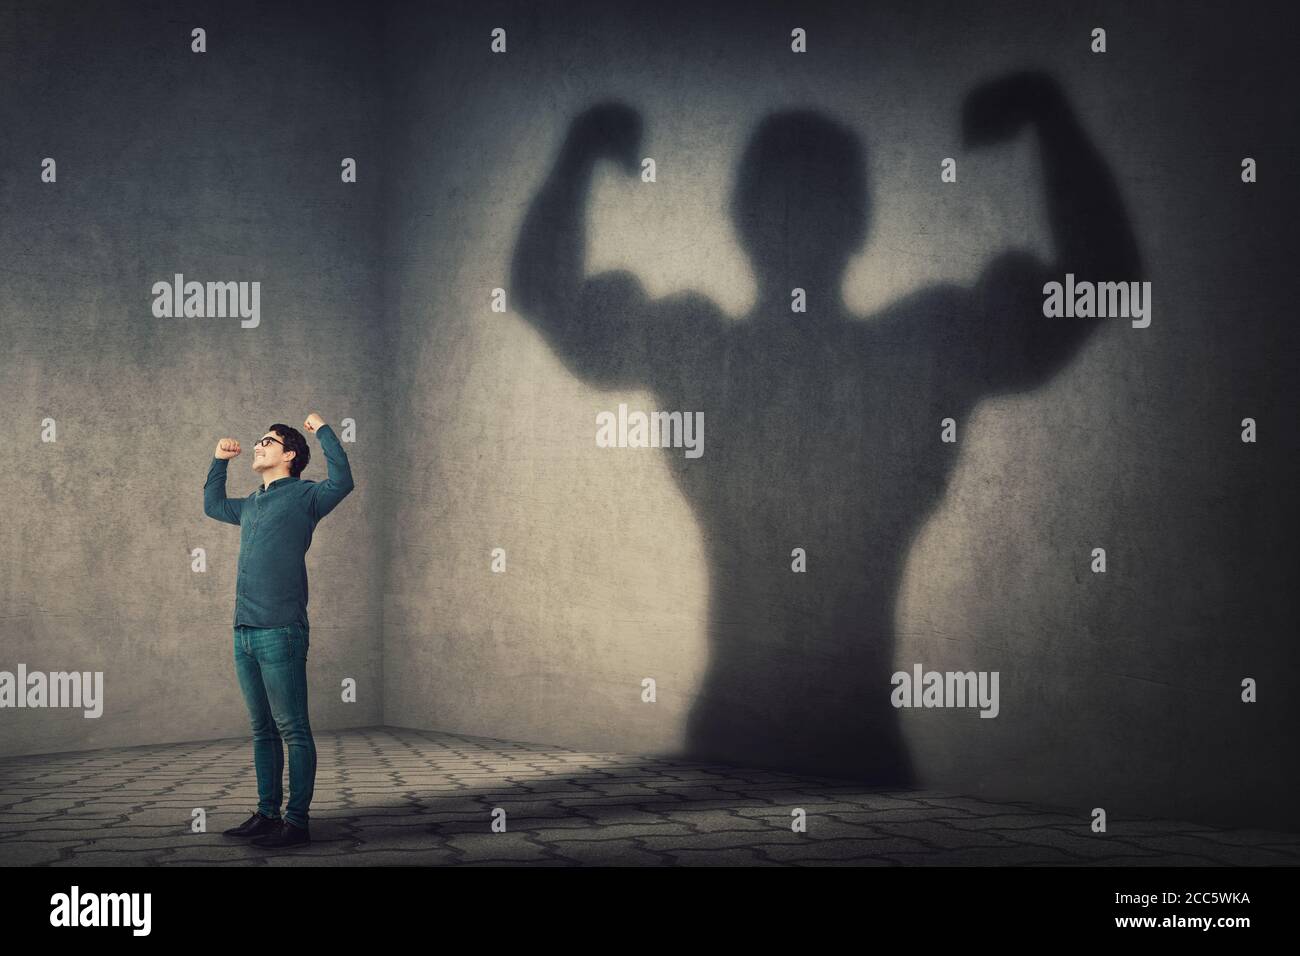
(823, 430)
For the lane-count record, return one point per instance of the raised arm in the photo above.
(1091, 235)
(215, 503)
(603, 328)
(323, 496)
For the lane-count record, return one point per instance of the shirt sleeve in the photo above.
(323, 496)
(215, 503)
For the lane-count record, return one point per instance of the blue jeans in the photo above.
(271, 663)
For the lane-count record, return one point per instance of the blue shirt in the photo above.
(275, 528)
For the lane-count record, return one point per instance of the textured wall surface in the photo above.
(476, 427)
(222, 166)
(1116, 690)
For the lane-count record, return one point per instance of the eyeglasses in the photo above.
(266, 442)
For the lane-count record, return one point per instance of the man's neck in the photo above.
(270, 477)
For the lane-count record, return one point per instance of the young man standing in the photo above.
(271, 628)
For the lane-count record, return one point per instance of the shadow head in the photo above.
(800, 203)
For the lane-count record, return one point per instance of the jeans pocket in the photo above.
(274, 645)
(297, 639)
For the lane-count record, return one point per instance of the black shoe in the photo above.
(255, 826)
(289, 835)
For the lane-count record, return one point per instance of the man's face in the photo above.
(270, 453)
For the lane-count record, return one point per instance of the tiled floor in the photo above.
(393, 796)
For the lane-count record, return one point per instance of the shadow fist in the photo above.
(997, 110)
(608, 130)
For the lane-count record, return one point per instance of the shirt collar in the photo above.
(278, 481)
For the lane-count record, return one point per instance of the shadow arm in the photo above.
(596, 325)
(1020, 347)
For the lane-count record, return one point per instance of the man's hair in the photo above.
(294, 442)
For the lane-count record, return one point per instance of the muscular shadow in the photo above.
(822, 430)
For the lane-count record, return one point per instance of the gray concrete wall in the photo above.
(221, 166)
(1118, 690)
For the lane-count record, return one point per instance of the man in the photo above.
(271, 628)
(824, 429)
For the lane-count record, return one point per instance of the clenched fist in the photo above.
(313, 422)
(227, 448)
